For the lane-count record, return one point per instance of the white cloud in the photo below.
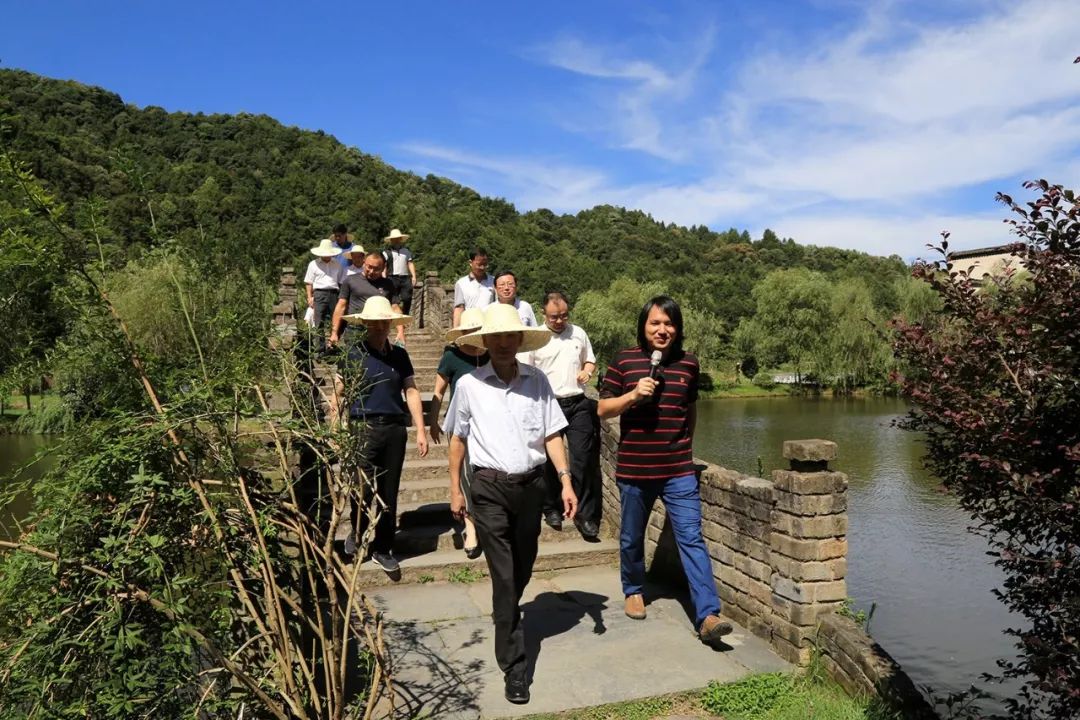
(951, 107)
(898, 234)
(641, 112)
(563, 187)
(865, 140)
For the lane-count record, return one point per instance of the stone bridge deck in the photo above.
(583, 650)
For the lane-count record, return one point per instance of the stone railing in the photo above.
(779, 556)
(436, 305)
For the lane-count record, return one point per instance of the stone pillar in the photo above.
(283, 312)
(808, 545)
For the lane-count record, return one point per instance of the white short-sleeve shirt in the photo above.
(472, 293)
(324, 276)
(525, 312)
(504, 426)
(562, 359)
(400, 258)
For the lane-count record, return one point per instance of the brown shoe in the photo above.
(635, 607)
(712, 629)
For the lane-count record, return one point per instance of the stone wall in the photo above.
(863, 668)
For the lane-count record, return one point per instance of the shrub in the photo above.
(996, 393)
(764, 380)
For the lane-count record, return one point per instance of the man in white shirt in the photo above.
(506, 293)
(322, 280)
(507, 416)
(568, 363)
(477, 289)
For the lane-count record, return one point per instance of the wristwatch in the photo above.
(564, 471)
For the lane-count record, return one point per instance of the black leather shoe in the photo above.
(517, 688)
(473, 552)
(588, 529)
(554, 519)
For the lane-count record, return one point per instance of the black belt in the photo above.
(571, 400)
(381, 419)
(326, 290)
(500, 476)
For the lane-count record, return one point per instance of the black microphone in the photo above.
(654, 363)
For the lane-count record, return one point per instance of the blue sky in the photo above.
(869, 125)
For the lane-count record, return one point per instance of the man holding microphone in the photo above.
(654, 388)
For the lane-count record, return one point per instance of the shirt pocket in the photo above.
(532, 420)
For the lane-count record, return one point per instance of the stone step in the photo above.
(446, 564)
(423, 469)
(438, 452)
(430, 489)
(442, 534)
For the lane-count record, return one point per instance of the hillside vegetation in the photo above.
(236, 196)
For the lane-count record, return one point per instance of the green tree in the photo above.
(856, 351)
(996, 390)
(791, 322)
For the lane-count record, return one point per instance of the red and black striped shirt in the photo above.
(655, 441)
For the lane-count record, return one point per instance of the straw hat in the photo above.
(354, 249)
(326, 248)
(499, 318)
(394, 235)
(471, 320)
(377, 307)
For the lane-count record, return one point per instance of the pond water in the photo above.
(909, 550)
(15, 452)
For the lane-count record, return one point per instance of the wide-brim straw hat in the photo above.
(378, 308)
(355, 248)
(500, 318)
(471, 321)
(395, 234)
(326, 248)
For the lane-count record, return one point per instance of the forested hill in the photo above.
(244, 189)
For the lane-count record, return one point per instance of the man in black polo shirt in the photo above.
(356, 289)
(387, 376)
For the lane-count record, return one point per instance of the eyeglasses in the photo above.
(560, 316)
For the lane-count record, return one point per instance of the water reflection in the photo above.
(909, 548)
(15, 452)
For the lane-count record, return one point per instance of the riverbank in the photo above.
(42, 411)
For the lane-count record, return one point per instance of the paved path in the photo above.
(582, 647)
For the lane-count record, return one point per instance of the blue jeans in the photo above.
(683, 505)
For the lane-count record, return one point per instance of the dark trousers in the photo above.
(507, 516)
(403, 289)
(325, 301)
(383, 455)
(581, 437)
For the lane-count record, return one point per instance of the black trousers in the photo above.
(582, 443)
(403, 289)
(507, 516)
(383, 455)
(325, 301)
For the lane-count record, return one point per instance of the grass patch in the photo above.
(768, 696)
(465, 575)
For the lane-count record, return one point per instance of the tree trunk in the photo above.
(26, 393)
